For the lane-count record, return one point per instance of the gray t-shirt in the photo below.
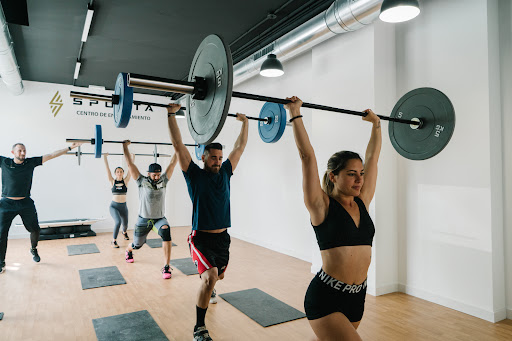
(152, 197)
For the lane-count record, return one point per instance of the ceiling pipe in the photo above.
(342, 16)
(9, 70)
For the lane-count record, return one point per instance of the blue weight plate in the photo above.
(123, 109)
(212, 62)
(199, 151)
(98, 142)
(271, 132)
(436, 112)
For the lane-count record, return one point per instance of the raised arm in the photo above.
(240, 142)
(128, 173)
(314, 197)
(371, 158)
(181, 150)
(131, 166)
(172, 165)
(60, 152)
(109, 174)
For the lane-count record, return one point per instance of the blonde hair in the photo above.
(337, 162)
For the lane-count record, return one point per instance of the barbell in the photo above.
(79, 154)
(98, 142)
(421, 123)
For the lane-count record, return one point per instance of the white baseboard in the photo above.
(487, 315)
(386, 289)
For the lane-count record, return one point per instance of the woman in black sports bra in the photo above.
(118, 208)
(338, 208)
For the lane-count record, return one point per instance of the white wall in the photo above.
(505, 45)
(62, 189)
(451, 232)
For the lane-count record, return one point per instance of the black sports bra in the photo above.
(119, 187)
(339, 229)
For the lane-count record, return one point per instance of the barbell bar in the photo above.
(79, 154)
(421, 123)
(114, 99)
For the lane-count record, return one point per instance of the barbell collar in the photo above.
(161, 84)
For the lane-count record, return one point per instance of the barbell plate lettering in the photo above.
(123, 109)
(272, 132)
(436, 111)
(98, 142)
(212, 62)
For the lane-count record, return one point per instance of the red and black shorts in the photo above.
(209, 250)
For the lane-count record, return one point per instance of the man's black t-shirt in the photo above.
(17, 178)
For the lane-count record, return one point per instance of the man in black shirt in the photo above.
(17, 176)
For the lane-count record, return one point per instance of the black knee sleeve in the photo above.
(165, 234)
(135, 247)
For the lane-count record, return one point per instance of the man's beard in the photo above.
(214, 170)
(20, 158)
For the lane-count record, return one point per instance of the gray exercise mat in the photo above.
(128, 327)
(185, 265)
(82, 249)
(261, 307)
(101, 277)
(156, 242)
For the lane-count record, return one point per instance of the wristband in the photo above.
(291, 119)
(69, 148)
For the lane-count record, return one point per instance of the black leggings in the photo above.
(119, 212)
(9, 209)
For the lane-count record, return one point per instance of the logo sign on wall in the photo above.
(93, 108)
(56, 104)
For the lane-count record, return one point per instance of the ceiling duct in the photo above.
(342, 16)
(9, 70)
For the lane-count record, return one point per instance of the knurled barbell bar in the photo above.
(421, 123)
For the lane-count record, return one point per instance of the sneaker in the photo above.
(201, 334)
(128, 257)
(125, 234)
(213, 297)
(36, 257)
(114, 244)
(2, 267)
(166, 272)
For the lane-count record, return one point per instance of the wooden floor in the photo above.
(45, 301)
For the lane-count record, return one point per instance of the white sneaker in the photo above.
(213, 297)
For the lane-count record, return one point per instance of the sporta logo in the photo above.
(56, 104)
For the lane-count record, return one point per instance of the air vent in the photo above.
(264, 51)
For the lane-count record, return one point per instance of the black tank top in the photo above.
(119, 187)
(339, 229)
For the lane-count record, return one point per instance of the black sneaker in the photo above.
(213, 297)
(125, 234)
(2, 267)
(201, 334)
(114, 244)
(36, 257)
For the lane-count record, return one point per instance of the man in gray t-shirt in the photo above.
(152, 207)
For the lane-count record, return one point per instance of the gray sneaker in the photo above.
(213, 297)
(36, 257)
(201, 334)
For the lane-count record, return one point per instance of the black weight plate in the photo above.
(123, 109)
(213, 62)
(436, 112)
